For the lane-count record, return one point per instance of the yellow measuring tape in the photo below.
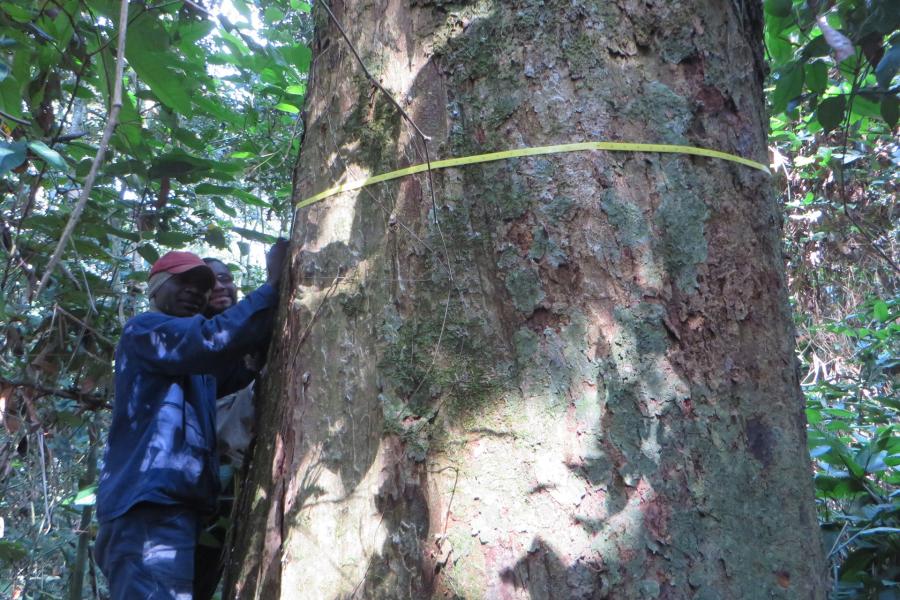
(537, 150)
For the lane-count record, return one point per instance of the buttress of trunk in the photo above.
(571, 377)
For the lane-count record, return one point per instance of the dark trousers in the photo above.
(148, 553)
(209, 560)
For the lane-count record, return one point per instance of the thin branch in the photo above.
(92, 401)
(114, 109)
(9, 117)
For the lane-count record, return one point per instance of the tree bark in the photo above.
(574, 376)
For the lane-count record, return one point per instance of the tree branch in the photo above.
(91, 401)
(114, 108)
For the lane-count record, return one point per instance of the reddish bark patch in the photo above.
(783, 578)
(520, 235)
(710, 99)
(543, 318)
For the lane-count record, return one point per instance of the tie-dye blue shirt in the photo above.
(162, 440)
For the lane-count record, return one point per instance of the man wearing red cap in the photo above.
(160, 471)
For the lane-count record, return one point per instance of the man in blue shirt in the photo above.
(160, 471)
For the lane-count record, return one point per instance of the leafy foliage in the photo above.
(200, 160)
(834, 114)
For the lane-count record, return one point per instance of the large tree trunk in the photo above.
(575, 377)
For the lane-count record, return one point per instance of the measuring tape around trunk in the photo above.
(535, 151)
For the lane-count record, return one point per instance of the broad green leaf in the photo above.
(16, 13)
(273, 15)
(180, 165)
(86, 497)
(816, 76)
(224, 206)
(236, 44)
(288, 108)
(145, 49)
(778, 8)
(788, 86)
(11, 97)
(5, 70)
(299, 55)
(881, 311)
(256, 236)
(148, 253)
(48, 154)
(174, 239)
(192, 32)
(864, 107)
(295, 90)
(219, 111)
(830, 112)
(817, 47)
(214, 236)
(12, 154)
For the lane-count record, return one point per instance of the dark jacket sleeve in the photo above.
(196, 345)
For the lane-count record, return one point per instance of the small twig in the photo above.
(114, 109)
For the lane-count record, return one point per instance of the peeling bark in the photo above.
(610, 408)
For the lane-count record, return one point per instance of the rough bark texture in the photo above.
(610, 408)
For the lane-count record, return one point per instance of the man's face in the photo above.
(184, 295)
(224, 294)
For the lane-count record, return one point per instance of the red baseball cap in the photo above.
(180, 262)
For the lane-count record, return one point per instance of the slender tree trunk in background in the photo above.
(610, 408)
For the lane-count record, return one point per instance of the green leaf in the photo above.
(145, 49)
(273, 15)
(214, 236)
(17, 13)
(817, 47)
(217, 110)
(788, 86)
(12, 154)
(816, 76)
(888, 66)
(180, 165)
(288, 108)
(5, 70)
(295, 90)
(256, 236)
(830, 112)
(881, 311)
(174, 239)
(299, 55)
(86, 497)
(148, 253)
(778, 8)
(890, 110)
(48, 154)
